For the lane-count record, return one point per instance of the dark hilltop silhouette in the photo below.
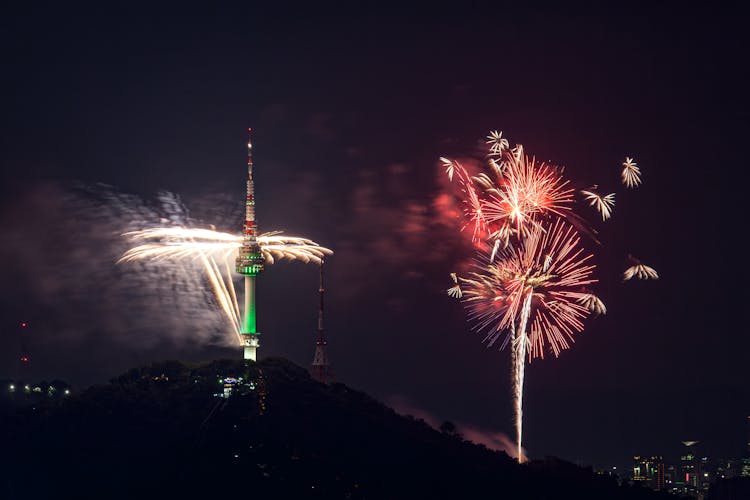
(254, 430)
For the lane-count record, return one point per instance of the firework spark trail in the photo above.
(519, 369)
(231, 288)
(220, 291)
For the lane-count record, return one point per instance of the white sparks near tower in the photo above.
(213, 249)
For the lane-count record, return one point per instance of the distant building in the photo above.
(706, 474)
(649, 471)
(688, 482)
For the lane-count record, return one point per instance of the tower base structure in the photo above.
(251, 342)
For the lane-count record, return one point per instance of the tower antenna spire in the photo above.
(321, 369)
(250, 262)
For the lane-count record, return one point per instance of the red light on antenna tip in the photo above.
(23, 324)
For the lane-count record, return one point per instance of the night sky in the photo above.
(351, 109)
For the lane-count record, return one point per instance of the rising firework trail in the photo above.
(214, 249)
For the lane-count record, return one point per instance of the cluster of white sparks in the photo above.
(531, 289)
(215, 251)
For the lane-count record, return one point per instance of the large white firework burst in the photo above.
(180, 243)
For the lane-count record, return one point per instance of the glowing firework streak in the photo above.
(211, 247)
(532, 295)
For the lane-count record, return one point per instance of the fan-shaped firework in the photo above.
(631, 174)
(455, 291)
(640, 271)
(603, 204)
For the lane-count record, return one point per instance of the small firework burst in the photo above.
(640, 271)
(455, 290)
(498, 144)
(450, 168)
(603, 204)
(631, 174)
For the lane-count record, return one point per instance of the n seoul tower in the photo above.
(250, 263)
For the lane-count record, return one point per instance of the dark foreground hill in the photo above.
(164, 432)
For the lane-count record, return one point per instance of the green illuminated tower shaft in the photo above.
(250, 263)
